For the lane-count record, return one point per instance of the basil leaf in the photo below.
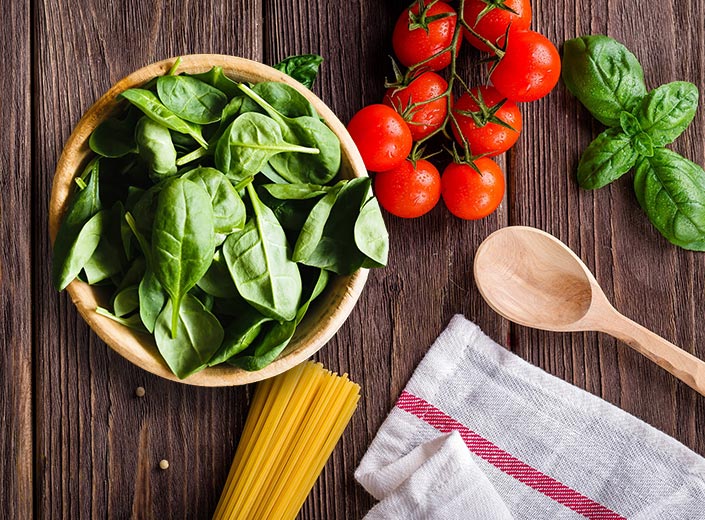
(629, 124)
(606, 159)
(258, 260)
(69, 256)
(604, 75)
(303, 68)
(643, 145)
(156, 148)
(671, 190)
(148, 103)
(197, 337)
(183, 241)
(191, 99)
(667, 111)
(248, 143)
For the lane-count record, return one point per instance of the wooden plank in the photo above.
(648, 279)
(15, 258)
(429, 277)
(98, 445)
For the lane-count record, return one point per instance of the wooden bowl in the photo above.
(324, 318)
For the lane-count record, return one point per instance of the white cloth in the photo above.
(478, 433)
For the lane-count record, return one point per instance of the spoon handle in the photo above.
(665, 354)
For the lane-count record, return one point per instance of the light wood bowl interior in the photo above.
(324, 318)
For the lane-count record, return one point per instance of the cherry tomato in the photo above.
(498, 15)
(407, 191)
(382, 136)
(418, 44)
(530, 68)
(423, 119)
(471, 195)
(486, 135)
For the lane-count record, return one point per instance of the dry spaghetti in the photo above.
(294, 423)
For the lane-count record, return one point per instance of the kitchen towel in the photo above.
(478, 433)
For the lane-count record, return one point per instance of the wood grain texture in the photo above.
(97, 446)
(646, 278)
(15, 259)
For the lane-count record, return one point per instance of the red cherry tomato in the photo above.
(471, 195)
(418, 44)
(486, 135)
(382, 136)
(492, 25)
(529, 69)
(423, 119)
(408, 191)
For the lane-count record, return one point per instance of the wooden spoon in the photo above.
(534, 279)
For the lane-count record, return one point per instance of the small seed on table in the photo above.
(139, 391)
(163, 464)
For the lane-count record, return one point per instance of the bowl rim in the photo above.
(109, 330)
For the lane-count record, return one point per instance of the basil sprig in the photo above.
(608, 79)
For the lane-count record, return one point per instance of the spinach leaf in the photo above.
(156, 148)
(667, 111)
(134, 273)
(306, 131)
(608, 157)
(150, 105)
(248, 143)
(258, 260)
(284, 99)
(240, 334)
(81, 251)
(183, 143)
(336, 251)
(114, 137)
(217, 280)
(75, 240)
(291, 214)
(152, 299)
(228, 208)
(131, 322)
(671, 190)
(296, 191)
(191, 99)
(303, 68)
(189, 346)
(371, 235)
(126, 301)
(216, 78)
(183, 241)
(108, 258)
(279, 335)
(604, 76)
(312, 229)
(273, 176)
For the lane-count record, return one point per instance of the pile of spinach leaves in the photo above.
(609, 81)
(213, 213)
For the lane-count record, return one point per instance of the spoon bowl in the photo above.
(534, 279)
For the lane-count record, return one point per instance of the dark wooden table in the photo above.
(77, 443)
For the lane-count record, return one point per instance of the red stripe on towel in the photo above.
(505, 461)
